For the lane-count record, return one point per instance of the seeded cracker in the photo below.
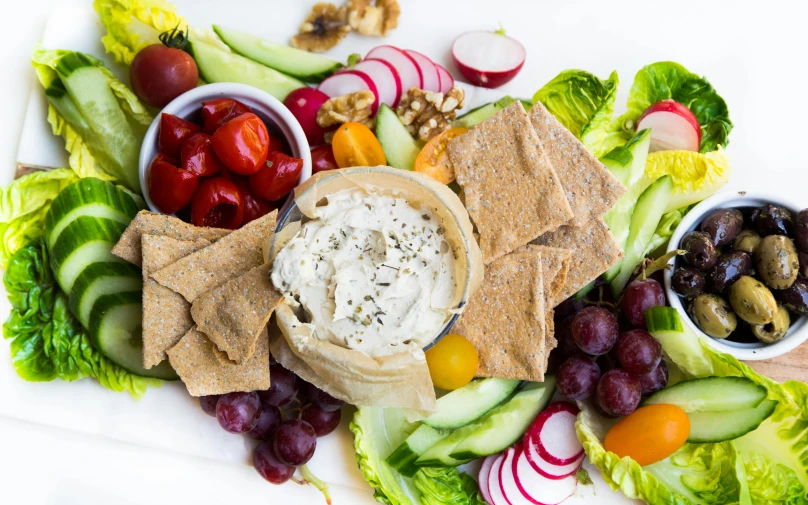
(205, 370)
(231, 256)
(511, 191)
(550, 341)
(593, 249)
(151, 223)
(555, 264)
(505, 319)
(589, 186)
(166, 314)
(234, 314)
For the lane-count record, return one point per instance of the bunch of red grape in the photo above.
(286, 423)
(615, 367)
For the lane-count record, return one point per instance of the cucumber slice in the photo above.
(88, 197)
(216, 65)
(100, 279)
(471, 402)
(478, 115)
(400, 148)
(647, 213)
(85, 241)
(403, 458)
(306, 66)
(721, 426)
(712, 394)
(116, 327)
(680, 343)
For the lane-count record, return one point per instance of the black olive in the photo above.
(795, 298)
(728, 269)
(699, 250)
(803, 257)
(687, 282)
(722, 225)
(772, 220)
(801, 230)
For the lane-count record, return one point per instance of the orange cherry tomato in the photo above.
(452, 362)
(355, 145)
(433, 160)
(649, 434)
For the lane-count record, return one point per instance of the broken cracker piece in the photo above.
(550, 342)
(234, 314)
(206, 371)
(511, 191)
(555, 264)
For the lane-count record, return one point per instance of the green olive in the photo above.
(752, 301)
(713, 315)
(776, 261)
(746, 241)
(774, 331)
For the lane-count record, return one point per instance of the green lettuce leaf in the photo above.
(23, 205)
(668, 80)
(134, 24)
(447, 486)
(583, 103)
(47, 342)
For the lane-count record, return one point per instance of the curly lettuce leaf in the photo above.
(47, 342)
(583, 103)
(447, 486)
(134, 24)
(695, 176)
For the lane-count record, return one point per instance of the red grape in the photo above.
(269, 418)
(238, 412)
(655, 380)
(641, 295)
(269, 466)
(320, 398)
(283, 386)
(619, 392)
(294, 442)
(323, 421)
(578, 377)
(595, 330)
(208, 404)
(638, 351)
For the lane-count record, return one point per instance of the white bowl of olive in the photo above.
(743, 278)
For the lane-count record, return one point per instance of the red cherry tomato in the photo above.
(173, 132)
(322, 159)
(160, 74)
(254, 207)
(198, 156)
(276, 143)
(277, 178)
(242, 144)
(217, 204)
(218, 111)
(170, 188)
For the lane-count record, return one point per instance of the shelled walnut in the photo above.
(352, 108)
(323, 29)
(428, 113)
(373, 17)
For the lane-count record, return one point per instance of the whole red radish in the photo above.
(488, 59)
(161, 72)
(673, 127)
(304, 103)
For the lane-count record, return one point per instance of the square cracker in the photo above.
(205, 370)
(511, 191)
(505, 318)
(166, 314)
(234, 314)
(588, 185)
(593, 248)
(555, 264)
(151, 223)
(229, 257)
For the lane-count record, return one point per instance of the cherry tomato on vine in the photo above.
(433, 160)
(242, 144)
(217, 204)
(219, 111)
(198, 156)
(161, 72)
(278, 177)
(355, 145)
(170, 188)
(322, 159)
(173, 132)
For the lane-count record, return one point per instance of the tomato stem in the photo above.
(174, 38)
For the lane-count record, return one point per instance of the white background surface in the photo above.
(752, 52)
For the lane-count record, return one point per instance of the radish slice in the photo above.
(537, 489)
(507, 480)
(429, 72)
(482, 477)
(385, 77)
(553, 434)
(488, 59)
(349, 81)
(673, 127)
(446, 79)
(550, 470)
(408, 70)
(493, 484)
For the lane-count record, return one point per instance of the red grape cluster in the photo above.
(615, 367)
(287, 418)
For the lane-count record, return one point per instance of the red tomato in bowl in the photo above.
(217, 204)
(173, 132)
(242, 144)
(198, 156)
(278, 176)
(219, 111)
(254, 207)
(170, 187)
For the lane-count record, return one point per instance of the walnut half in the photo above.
(428, 113)
(352, 108)
(373, 17)
(325, 27)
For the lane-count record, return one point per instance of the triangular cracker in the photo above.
(510, 189)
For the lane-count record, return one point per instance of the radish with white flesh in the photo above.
(488, 59)
(482, 477)
(493, 484)
(429, 71)
(547, 469)
(507, 479)
(349, 81)
(673, 127)
(408, 70)
(536, 488)
(385, 77)
(553, 434)
(446, 79)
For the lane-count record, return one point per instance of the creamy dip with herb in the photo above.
(372, 272)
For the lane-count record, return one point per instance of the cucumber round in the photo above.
(100, 279)
(116, 328)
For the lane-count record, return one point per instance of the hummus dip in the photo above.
(373, 273)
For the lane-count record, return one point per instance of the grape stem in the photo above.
(310, 478)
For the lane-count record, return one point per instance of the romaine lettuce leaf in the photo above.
(447, 486)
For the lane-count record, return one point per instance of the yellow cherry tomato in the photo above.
(433, 160)
(452, 362)
(354, 145)
(649, 434)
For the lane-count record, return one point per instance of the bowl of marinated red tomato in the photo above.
(222, 155)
